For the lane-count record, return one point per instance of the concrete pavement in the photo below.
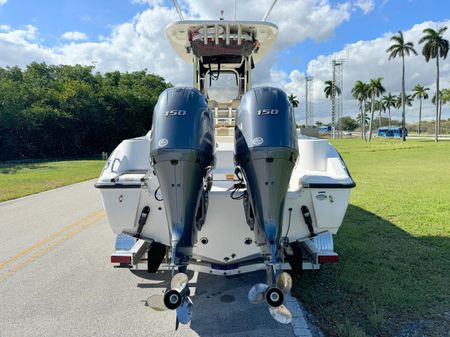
(56, 279)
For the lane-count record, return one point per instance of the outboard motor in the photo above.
(266, 152)
(182, 153)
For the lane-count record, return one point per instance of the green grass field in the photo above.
(394, 273)
(20, 179)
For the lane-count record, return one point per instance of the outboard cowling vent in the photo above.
(182, 153)
(266, 151)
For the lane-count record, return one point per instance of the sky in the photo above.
(129, 35)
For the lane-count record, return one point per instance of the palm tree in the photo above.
(380, 106)
(389, 102)
(293, 100)
(445, 96)
(375, 90)
(328, 90)
(407, 102)
(435, 46)
(420, 92)
(360, 120)
(439, 106)
(331, 90)
(359, 92)
(401, 48)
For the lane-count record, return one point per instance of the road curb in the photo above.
(299, 323)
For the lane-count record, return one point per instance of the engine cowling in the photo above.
(266, 152)
(182, 153)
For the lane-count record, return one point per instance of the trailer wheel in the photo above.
(296, 260)
(156, 253)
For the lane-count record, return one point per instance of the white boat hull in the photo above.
(322, 184)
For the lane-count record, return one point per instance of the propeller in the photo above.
(179, 281)
(176, 298)
(184, 311)
(156, 302)
(284, 282)
(281, 314)
(257, 293)
(274, 295)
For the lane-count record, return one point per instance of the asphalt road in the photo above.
(56, 279)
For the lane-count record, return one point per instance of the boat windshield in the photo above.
(224, 88)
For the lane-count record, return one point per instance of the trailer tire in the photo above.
(156, 253)
(296, 260)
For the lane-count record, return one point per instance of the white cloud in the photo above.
(366, 5)
(25, 35)
(2, 2)
(19, 48)
(74, 36)
(141, 43)
(366, 60)
(149, 2)
(296, 20)
(135, 45)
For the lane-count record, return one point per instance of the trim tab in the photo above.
(318, 185)
(117, 186)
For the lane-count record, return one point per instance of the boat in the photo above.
(225, 188)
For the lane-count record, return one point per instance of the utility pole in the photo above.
(336, 99)
(309, 115)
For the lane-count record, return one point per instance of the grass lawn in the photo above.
(394, 275)
(20, 179)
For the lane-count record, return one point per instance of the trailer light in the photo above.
(122, 259)
(328, 259)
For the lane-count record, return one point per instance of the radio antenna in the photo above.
(269, 11)
(177, 6)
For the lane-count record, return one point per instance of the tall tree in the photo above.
(438, 105)
(293, 100)
(445, 96)
(407, 101)
(400, 48)
(348, 123)
(375, 90)
(435, 47)
(420, 92)
(360, 119)
(380, 106)
(360, 92)
(444, 99)
(65, 111)
(328, 90)
(331, 90)
(389, 102)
